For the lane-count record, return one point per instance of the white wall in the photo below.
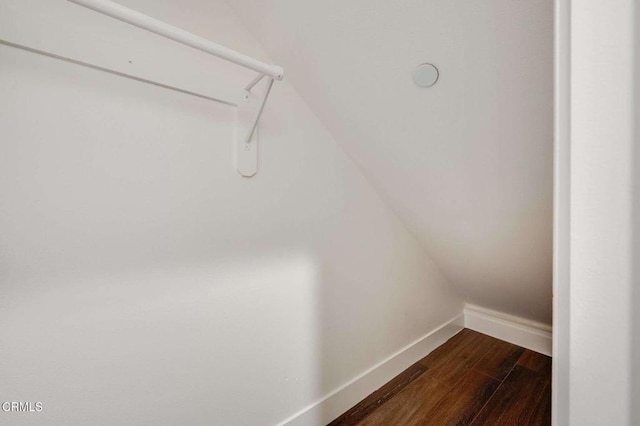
(467, 163)
(603, 177)
(142, 280)
(562, 215)
(635, 299)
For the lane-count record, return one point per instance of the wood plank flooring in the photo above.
(472, 379)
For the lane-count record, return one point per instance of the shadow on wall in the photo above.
(182, 335)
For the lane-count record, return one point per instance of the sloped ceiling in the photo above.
(466, 163)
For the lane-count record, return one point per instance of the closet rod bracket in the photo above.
(249, 109)
(246, 139)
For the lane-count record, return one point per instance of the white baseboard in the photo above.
(345, 397)
(528, 334)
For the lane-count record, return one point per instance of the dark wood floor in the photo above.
(472, 379)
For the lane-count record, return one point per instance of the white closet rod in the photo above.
(143, 21)
(222, 99)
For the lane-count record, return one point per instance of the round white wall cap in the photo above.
(425, 75)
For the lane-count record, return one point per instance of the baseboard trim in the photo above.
(528, 334)
(348, 395)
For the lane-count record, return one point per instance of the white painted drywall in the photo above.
(603, 178)
(466, 163)
(635, 248)
(142, 280)
(562, 215)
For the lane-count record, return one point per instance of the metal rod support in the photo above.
(232, 102)
(259, 113)
(254, 82)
